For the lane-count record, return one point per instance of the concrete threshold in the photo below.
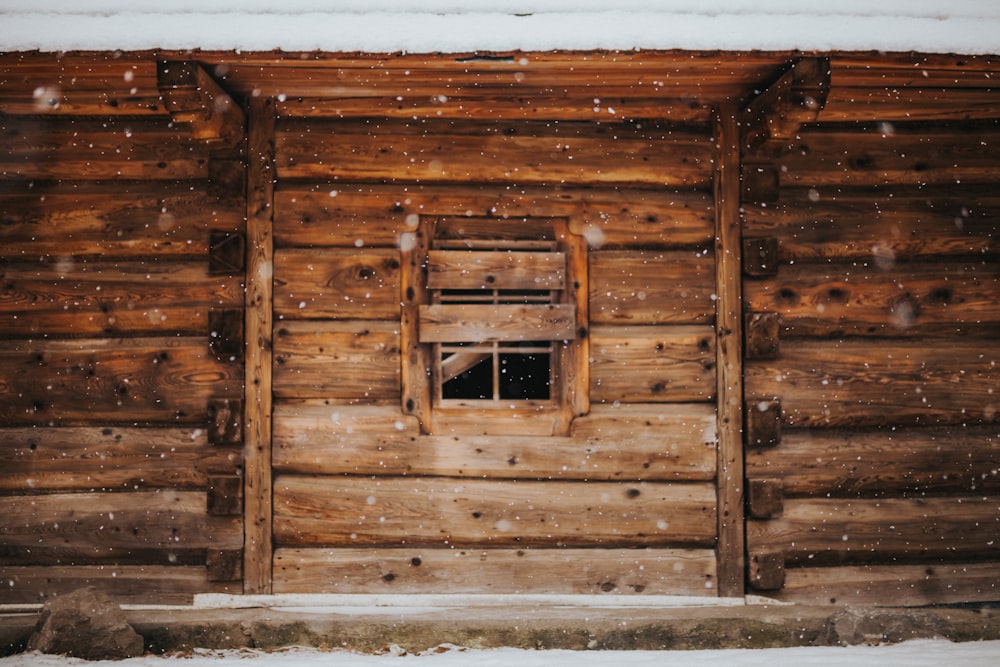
(415, 623)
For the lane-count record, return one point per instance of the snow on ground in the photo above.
(427, 26)
(918, 653)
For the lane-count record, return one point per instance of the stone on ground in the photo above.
(85, 624)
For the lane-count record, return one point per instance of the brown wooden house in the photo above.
(672, 323)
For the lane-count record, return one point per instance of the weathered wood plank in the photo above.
(877, 155)
(883, 530)
(880, 298)
(125, 584)
(483, 269)
(108, 458)
(112, 150)
(196, 100)
(645, 287)
(348, 359)
(650, 571)
(341, 511)
(332, 214)
(337, 283)
(86, 298)
(960, 459)
(920, 102)
(484, 151)
(161, 527)
(630, 442)
(128, 221)
(652, 364)
(854, 383)
(112, 380)
(883, 225)
(891, 585)
(455, 323)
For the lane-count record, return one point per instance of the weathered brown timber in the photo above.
(797, 97)
(87, 298)
(451, 323)
(960, 459)
(61, 221)
(884, 530)
(891, 585)
(525, 152)
(114, 380)
(643, 287)
(341, 511)
(498, 269)
(672, 442)
(194, 99)
(337, 283)
(854, 383)
(337, 214)
(106, 150)
(881, 298)
(652, 571)
(156, 527)
(108, 458)
(652, 364)
(337, 359)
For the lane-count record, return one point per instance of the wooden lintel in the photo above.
(762, 332)
(763, 418)
(194, 98)
(767, 570)
(765, 498)
(795, 98)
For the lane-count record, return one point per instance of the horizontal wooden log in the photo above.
(483, 269)
(644, 287)
(125, 584)
(350, 359)
(142, 220)
(883, 530)
(112, 381)
(879, 225)
(880, 298)
(875, 155)
(630, 442)
(337, 283)
(456, 323)
(109, 458)
(918, 101)
(959, 459)
(343, 511)
(891, 585)
(652, 364)
(99, 150)
(332, 214)
(490, 151)
(854, 383)
(651, 571)
(157, 527)
(86, 298)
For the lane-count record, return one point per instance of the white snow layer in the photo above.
(453, 26)
(918, 653)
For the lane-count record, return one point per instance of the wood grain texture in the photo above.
(883, 530)
(630, 442)
(567, 571)
(652, 364)
(857, 383)
(502, 270)
(350, 511)
(110, 458)
(112, 380)
(337, 359)
(456, 323)
(644, 287)
(337, 284)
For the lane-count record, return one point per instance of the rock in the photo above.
(881, 626)
(85, 624)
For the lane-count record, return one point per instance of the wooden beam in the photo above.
(795, 98)
(258, 356)
(729, 326)
(193, 98)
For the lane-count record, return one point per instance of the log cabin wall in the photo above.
(872, 302)
(121, 294)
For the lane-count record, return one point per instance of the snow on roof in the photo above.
(454, 26)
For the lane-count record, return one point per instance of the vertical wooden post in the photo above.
(259, 299)
(729, 324)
